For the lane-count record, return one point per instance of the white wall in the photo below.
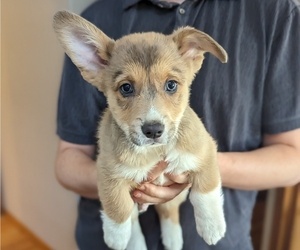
(78, 5)
(31, 62)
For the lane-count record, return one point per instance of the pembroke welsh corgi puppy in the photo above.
(146, 78)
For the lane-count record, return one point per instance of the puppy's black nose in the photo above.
(153, 130)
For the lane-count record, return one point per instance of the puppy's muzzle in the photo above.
(153, 130)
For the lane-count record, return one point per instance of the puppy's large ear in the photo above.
(87, 46)
(192, 44)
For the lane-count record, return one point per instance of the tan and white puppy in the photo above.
(146, 78)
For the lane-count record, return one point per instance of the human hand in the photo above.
(148, 192)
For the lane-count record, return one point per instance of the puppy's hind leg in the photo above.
(171, 231)
(137, 239)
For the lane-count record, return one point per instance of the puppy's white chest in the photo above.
(137, 174)
(178, 162)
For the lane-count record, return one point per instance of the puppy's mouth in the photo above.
(142, 141)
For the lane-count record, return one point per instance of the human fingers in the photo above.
(150, 193)
(178, 178)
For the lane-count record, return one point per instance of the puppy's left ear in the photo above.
(192, 44)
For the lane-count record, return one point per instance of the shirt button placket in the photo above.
(182, 15)
(181, 11)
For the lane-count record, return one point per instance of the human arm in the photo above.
(75, 168)
(276, 164)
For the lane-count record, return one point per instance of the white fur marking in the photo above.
(137, 239)
(136, 174)
(171, 235)
(209, 216)
(153, 115)
(180, 162)
(116, 235)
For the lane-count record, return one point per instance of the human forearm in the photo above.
(76, 170)
(272, 166)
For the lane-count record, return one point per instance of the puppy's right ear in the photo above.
(87, 46)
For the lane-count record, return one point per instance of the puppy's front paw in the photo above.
(209, 215)
(116, 236)
(211, 230)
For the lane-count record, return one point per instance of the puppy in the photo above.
(146, 78)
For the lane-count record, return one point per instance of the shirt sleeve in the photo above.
(281, 108)
(80, 106)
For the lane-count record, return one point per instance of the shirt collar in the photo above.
(129, 3)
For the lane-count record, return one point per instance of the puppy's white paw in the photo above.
(171, 235)
(209, 215)
(116, 236)
(211, 230)
(137, 239)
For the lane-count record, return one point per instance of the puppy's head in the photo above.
(145, 76)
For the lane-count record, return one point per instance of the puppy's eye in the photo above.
(126, 89)
(171, 86)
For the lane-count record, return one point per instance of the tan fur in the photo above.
(207, 177)
(170, 210)
(119, 197)
(146, 60)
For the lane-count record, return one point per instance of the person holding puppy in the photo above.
(250, 105)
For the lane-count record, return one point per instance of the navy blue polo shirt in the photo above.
(256, 92)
